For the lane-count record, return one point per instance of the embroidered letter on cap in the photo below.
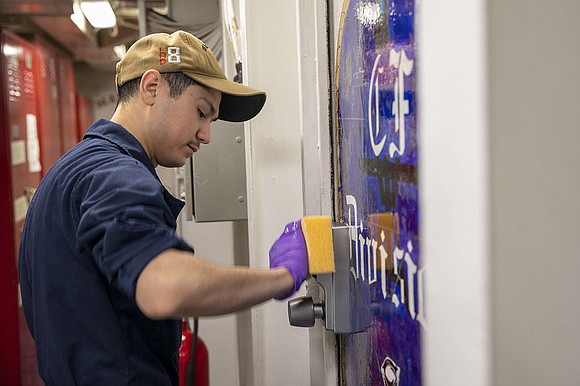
(162, 57)
(174, 55)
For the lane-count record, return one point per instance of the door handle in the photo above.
(303, 312)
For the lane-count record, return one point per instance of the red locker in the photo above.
(56, 102)
(20, 167)
(48, 103)
(85, 115)
(67, 102)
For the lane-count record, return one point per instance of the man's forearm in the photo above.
(177, 284)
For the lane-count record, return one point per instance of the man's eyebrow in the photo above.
(211, 107)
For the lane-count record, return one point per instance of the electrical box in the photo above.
(215, 177)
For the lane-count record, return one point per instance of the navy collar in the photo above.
(122, 138)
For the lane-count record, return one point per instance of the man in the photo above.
(104, 279)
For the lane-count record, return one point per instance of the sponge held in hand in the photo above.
(317, 232)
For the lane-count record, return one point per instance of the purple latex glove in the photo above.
(289, 251)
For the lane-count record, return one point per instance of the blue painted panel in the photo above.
(377, 188)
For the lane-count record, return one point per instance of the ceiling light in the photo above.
(78, 18)
(99, 13)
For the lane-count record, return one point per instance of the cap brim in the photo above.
(239, 102)
(240, 108)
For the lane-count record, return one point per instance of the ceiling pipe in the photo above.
(142, 18)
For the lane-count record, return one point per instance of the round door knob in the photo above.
(303, 312)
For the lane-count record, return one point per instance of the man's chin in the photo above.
(174, 163)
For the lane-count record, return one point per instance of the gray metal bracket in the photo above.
(345, 306)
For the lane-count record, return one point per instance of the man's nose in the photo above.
(204, 134)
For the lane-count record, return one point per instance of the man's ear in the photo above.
(149, 86)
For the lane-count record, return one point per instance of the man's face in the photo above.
(181, 125)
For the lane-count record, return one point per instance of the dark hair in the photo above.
(177, 82)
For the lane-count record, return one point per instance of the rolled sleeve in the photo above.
(126, 221)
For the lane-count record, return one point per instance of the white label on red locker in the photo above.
(32, 145)
(20, 208)
(18, 152)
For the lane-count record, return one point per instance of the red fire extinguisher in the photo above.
(193, 357)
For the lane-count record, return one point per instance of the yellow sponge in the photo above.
(318, 235)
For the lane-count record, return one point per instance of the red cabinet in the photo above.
(57, 110)
(68, 112)
(39, 119)
(20, 172)
(48, 92)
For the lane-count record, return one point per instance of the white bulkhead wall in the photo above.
(499, 93)
(454, 191)
(280, 352)
(258, 347)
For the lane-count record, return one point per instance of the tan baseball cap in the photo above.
(183, 52)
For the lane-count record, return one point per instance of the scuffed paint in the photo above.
(377, 155)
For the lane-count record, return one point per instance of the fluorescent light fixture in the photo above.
(99, 13)
(78, 18)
